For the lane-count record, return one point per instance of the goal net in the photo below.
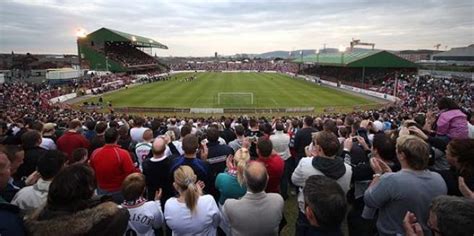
(235, 98)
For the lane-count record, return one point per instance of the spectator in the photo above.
(410, 189)
(200, 167)
(145, 216)
(245, 215)
(124, 140)
(191, 212)
(449, 216)
(48, 138)
(31, 141)
(142, 149)
(71, 208)
(325, 162)
(383, 149)
(136, 133)
(273, 163)
(280, 142)
(35, 196)
(157, 171)
(111, 165)
(230, 183)
(89, 133)
(15, 155)
(326, 206)
(236, 144)
(178, 144)
(253, 134)
(80, 155)
(217, 156)
(303, 137)
(228, 133)
(451, 121)
(459, 153)
(72, 139)
(98, 140)
(10, 221)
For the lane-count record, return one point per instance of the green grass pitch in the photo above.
(269, 90)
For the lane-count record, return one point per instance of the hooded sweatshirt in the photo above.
(334, 168)
(453, 123)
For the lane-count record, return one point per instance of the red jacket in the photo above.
(111, 165)
(70, 141)
(275, 168)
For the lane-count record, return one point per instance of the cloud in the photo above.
(199, 28)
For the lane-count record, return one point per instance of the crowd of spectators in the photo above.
(280, 66)
(382, 172)
(128, 55)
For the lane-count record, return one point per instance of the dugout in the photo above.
(357, 66)
(112, 50)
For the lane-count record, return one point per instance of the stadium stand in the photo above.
(115, 51)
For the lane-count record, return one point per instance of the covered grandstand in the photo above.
(115, 51)
(462, 55)
(364, 67)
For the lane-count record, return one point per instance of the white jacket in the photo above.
(305, 169)
(32, 197)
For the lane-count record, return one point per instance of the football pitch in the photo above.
(233, 90)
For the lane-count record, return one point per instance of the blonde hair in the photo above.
(185, 179)
(416, 151)
(170, 134)
(241, 158)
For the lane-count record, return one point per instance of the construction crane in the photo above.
(355, 42)
(437, 46)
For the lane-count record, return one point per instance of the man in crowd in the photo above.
(273, 163)
(246, 216)
(10, 221)
(228, 134)
(72, 139)
(157, 171)
(324, 161)
(303, 137)
(112, 165)
(280, 142)
(236, 144)
(449, 216)
(178, 144)
(137, 131)
(142, 149)
(200, 167)
(31, 145)
(410, 189)
(217, 153)
(98, 140)
(325, 206)
(33, 197)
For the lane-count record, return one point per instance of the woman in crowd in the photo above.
(191, 213)
(72, 210)
(460, 155)
(230, 183)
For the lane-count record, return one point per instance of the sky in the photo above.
(200, 28)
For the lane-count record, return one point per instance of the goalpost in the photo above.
(235, 98)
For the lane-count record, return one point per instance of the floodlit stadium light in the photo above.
(341, 48)
(81, 33)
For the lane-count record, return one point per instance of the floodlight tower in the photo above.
(80, 34)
